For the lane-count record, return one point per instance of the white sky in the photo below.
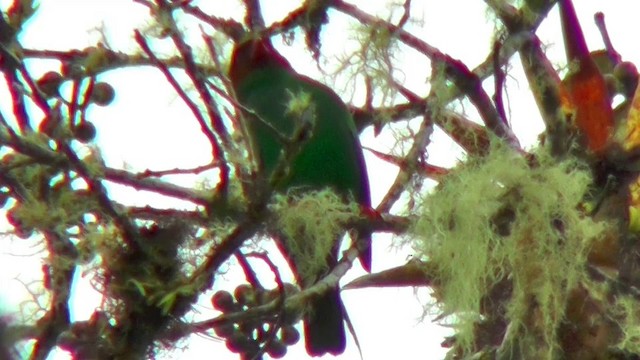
(146, 109)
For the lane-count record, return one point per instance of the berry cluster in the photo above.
(248, 337)
(99, 93)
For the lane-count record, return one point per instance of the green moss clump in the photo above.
(626, 309)
(311, 223)
(498, 218)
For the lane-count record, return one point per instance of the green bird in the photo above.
(331, 157)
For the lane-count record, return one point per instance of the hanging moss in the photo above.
(315, 220)
(498, 217)
(626, 309)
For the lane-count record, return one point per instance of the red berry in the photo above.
(222, 301)
(289, 335)
(245, 295)
(277, 349)
(49, 84)
(84, 132)
(102, 94)
(238, 343)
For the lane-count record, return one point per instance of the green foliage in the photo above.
(497, 218)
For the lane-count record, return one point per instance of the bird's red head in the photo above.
(254, 54)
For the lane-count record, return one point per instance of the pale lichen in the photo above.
(310, 225)
(627, 314)
(501, 218)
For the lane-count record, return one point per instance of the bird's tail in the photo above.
(323, 325)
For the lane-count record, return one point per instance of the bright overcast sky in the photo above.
(388, 320)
